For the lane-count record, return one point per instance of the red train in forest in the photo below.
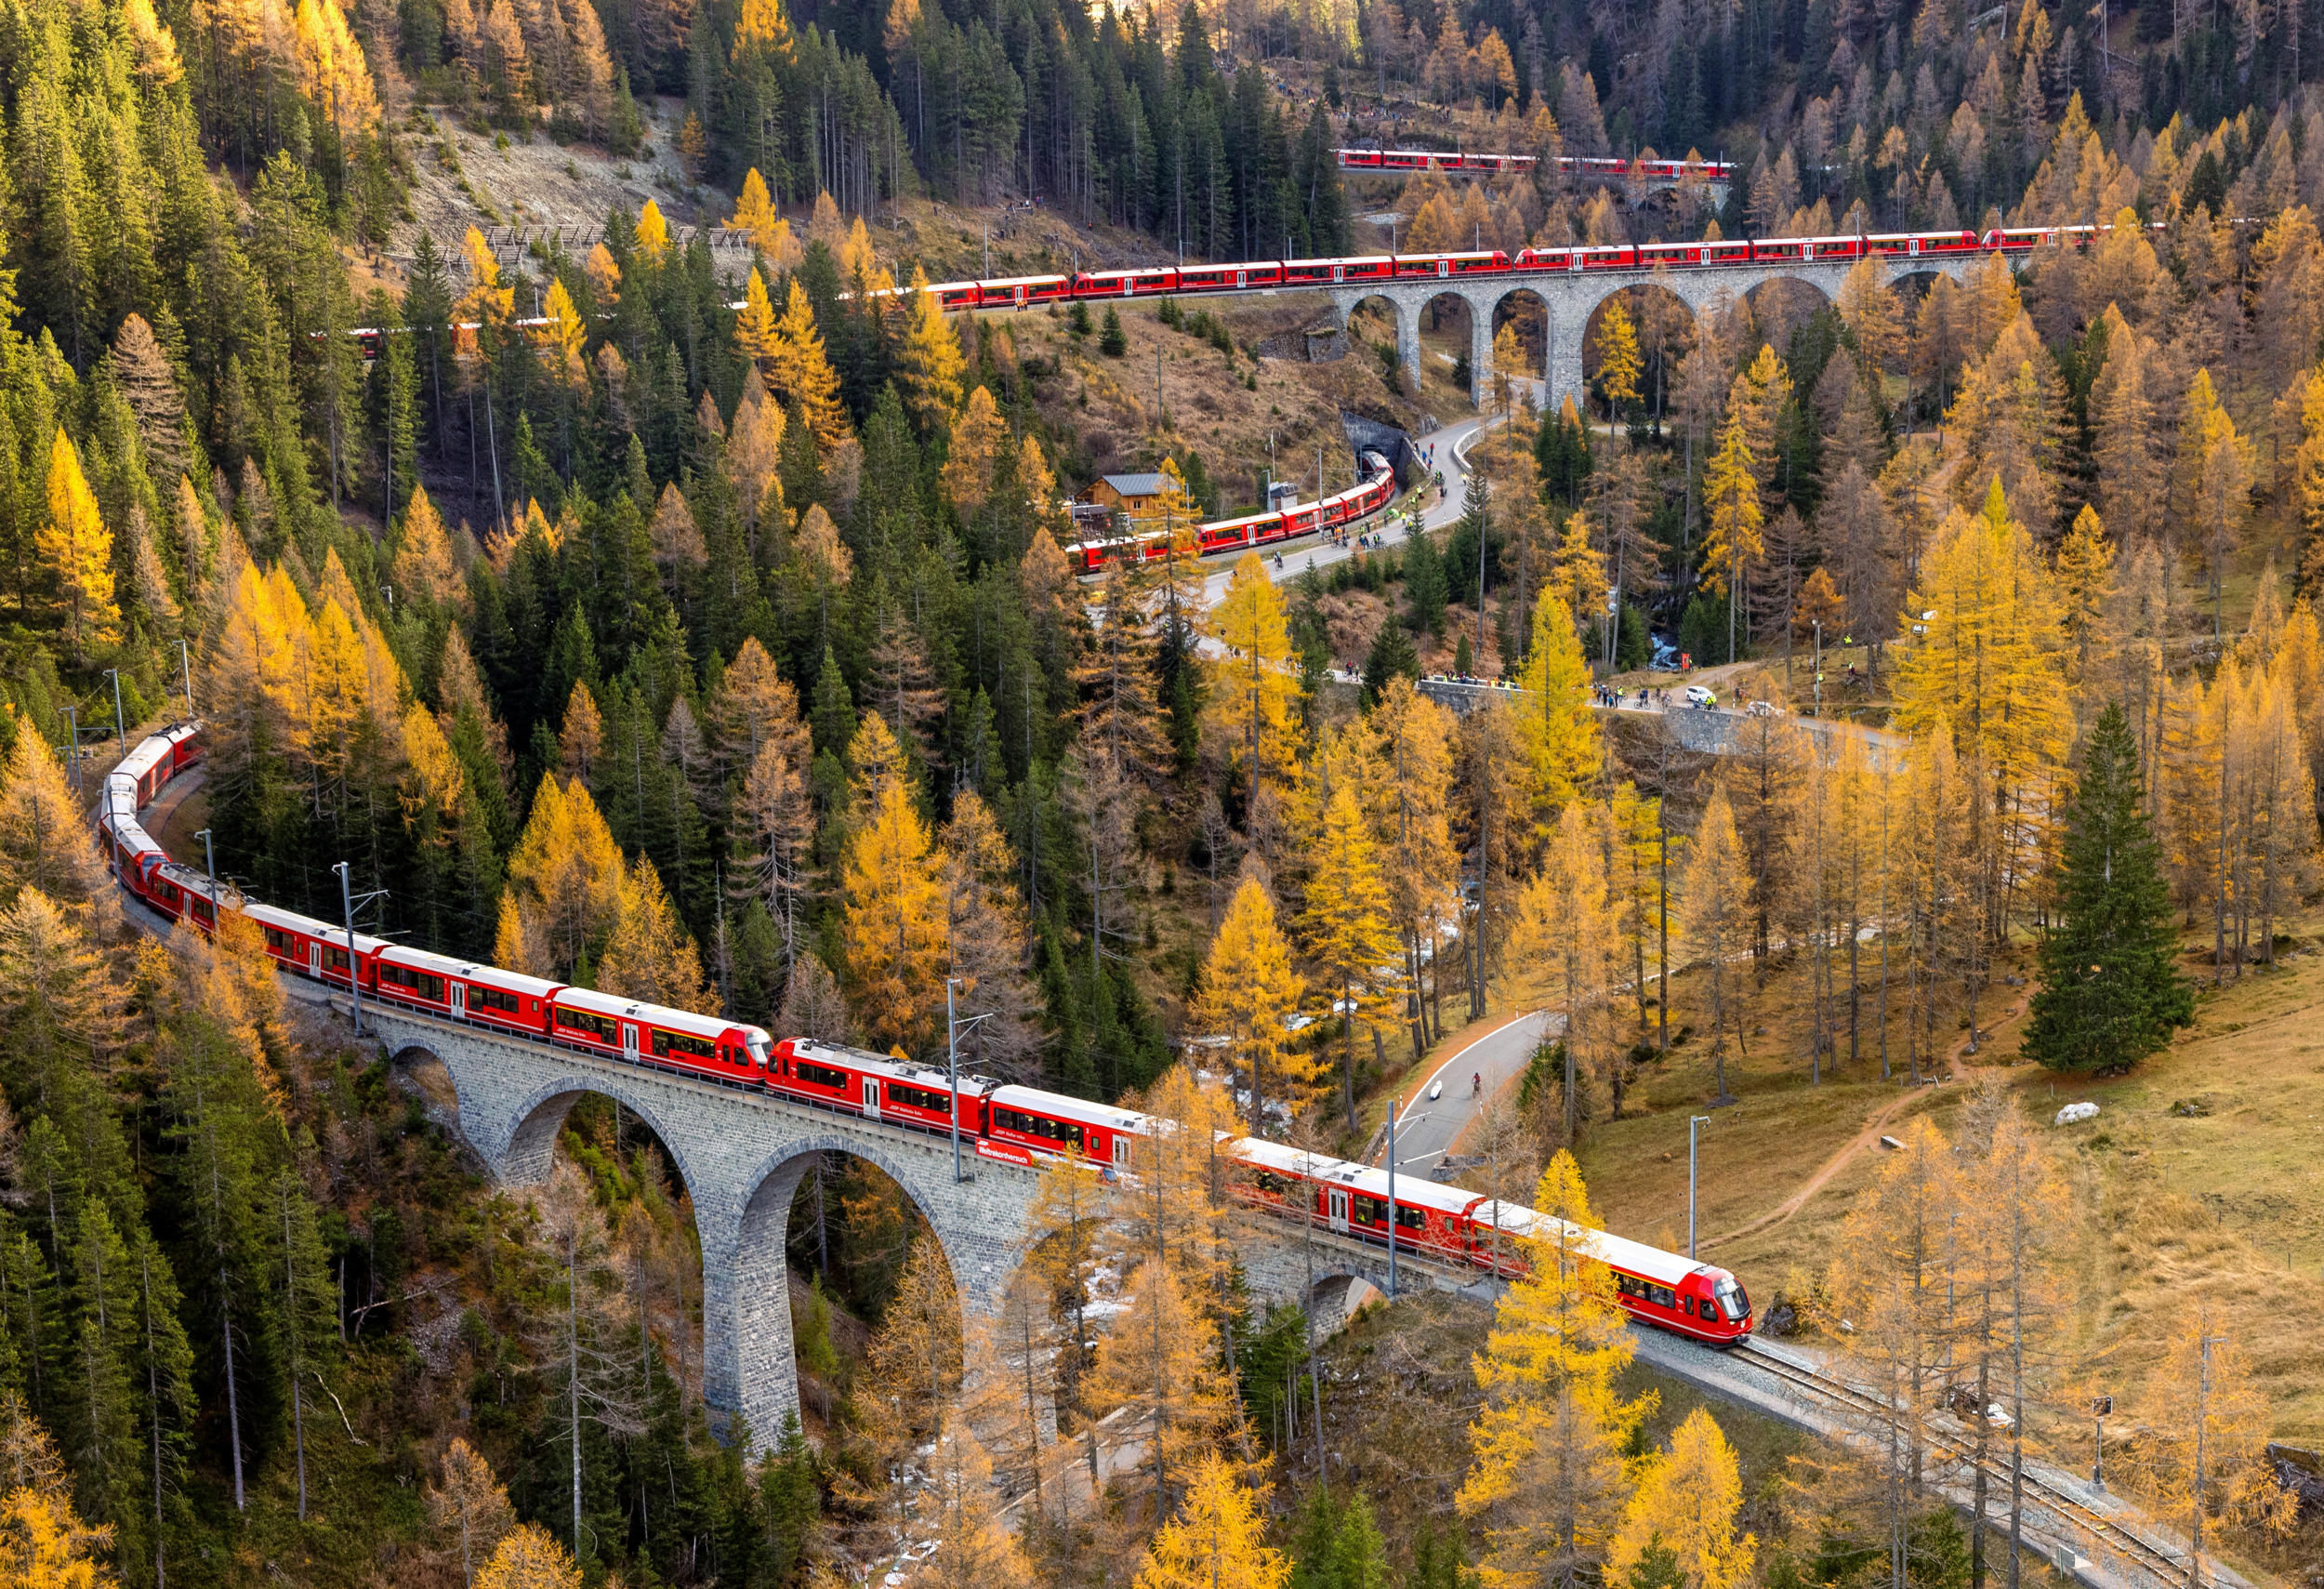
(1219, 538)
(1460, 161)
(996, 1119)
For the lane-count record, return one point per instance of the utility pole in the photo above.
(209, 867)
(953, 1027)
(1393, 1107)
(2099, 1407)
(71, 716)
(1692, 1122)
(185, 663)
(121, 730)
(347, 901)
(2202, 1417)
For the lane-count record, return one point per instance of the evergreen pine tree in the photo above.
(2109, 995)
(1424, 586)
(1391, 654)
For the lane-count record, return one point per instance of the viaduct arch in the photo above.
(1571, 299)
(742, 1156)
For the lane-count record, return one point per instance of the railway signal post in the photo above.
(2099, 1407)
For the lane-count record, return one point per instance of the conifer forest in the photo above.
(1833, 795)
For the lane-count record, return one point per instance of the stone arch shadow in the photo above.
(758, 1378)
(1404, 325)
(1663, 318)
(1336, 1297)
(421, 1074)
(525, 1160)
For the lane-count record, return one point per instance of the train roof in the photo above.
(291, 922)
(131, 834)
(194, 880)
(1615, 1252)
(885, 1065)
(1415, 1190)
(448, 965)
(598, 1003)
(1022, 281)
(1058, 1107)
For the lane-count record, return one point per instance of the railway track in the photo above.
(2167, 1566)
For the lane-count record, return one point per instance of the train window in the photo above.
(1661, 1296)
(664, 1043)
(1371, 1210)
(334, 960)
(492, 998)
(281, 942)
(821, 1075)
(419, 982)
(603, 1028)
(1274, 1186)
(918, 1097)
(1411, 1218)
(1628, 1287)
(1034, 1125)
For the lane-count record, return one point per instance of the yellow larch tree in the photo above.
(2204, 1392)
(1254, 687)
(930, 358)
(1413, 751)
(1560, 733)
(332, 70)
(1991, 668)
(1734, 545)
(974, 1548)
(529, 1557)
(650, 955)
(2085, 577)
(1715, 913)
(470, 1506)
(893, 922)
(1578, 570)
(754, 217)
(1160, 1364)
(974, 453)
(1688, 1502)
(1218, 1536)
(76, 550)
(651, 235)
(765, 27)
(755, 334)
(424, 570)
(45, 836)
(1618, 361)
(802, 374)
(1549, 1478)
(44, 1545)
(563, 338)
(1249, 988)
(1563, 942)
(564, 883)
(486, 305)
(1350, 938)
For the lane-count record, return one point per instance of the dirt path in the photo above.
(1874, 1124)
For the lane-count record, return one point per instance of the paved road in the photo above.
(1449, 443)
(1430, 1127)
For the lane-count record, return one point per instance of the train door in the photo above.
(630, 1040)
(871, 1097)
(314, 960)
(1121, 1151)
(460, 1001)
(1338, 1201)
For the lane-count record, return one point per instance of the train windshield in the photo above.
(1733, 1300)
(757, 1042)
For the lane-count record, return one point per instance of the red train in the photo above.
(1276, 275)
(1465, 160)
(1022, 1125)
(1676, 1293)
(1221, 537)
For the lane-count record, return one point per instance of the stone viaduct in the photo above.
(1571, 299)
(742, 1155)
